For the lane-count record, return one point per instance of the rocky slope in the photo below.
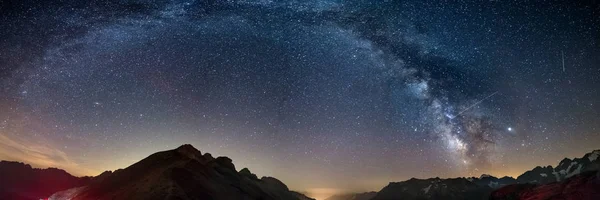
(20, 181)
(182, 173)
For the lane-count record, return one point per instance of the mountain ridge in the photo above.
(181, 173)
(184, 165)
(480, 188)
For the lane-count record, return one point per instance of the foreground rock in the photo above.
(182, 173)
(20, 181)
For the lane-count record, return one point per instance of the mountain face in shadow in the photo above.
(182, 173)
(20, 181)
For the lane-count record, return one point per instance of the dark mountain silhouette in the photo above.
(19, 181)
(434, 188)
(353, 196)
(186, 173)
(480, 188)
(182, 173)
(491, 181)
(584, 186)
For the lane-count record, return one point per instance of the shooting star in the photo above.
(471, 106)
(563, 60)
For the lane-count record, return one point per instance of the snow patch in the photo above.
(67, 194)
(557, 176)
(563, 172)
(575, 172)
(594, 156)
(426, 190)
(544, 175)
(493, 184)
(569, 168)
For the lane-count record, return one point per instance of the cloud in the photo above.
(38, 155)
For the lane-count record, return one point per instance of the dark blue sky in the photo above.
(325, 95)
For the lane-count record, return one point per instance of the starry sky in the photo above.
(326, 95)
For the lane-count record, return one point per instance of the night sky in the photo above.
(326, 95)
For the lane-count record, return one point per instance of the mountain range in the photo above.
(185, 173)
(534, 181)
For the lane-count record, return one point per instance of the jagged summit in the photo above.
(189, 151)
(567, 172)
(187, 148)
(485, 176)
(566, 168)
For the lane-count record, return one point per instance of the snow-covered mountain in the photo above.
(584, 186)
(565, 169)
(481, 187)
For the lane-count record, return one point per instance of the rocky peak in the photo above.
(593, 156)
(564, 161)
(246, 172)
(226, 162)
(486, 176)
(189, 151)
